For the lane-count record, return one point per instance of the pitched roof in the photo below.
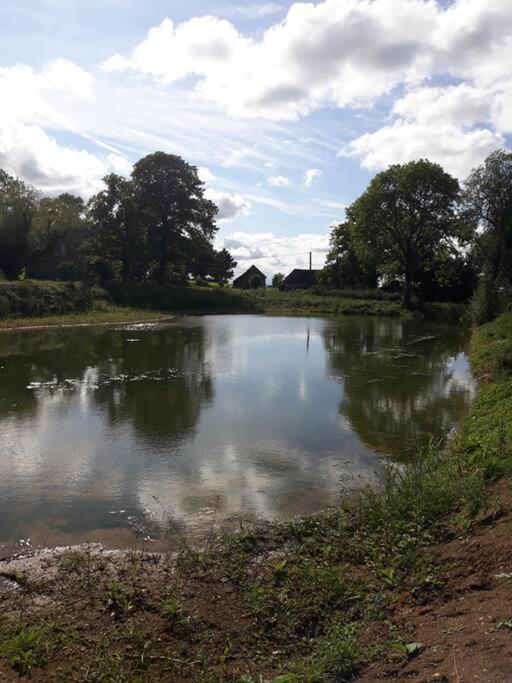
(252, 270)
(301, 277)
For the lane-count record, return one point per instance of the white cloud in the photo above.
(275, 254)
(230, 205)
(27, 150)
(205, 174)
(349, 54)
(462, 105)
(310, 175)
(30, 153)
(278, 181)
(341, 53)
(449, 145)
(24, 92)
(254, 11)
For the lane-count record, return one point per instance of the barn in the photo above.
(253, 278)
(300, 278)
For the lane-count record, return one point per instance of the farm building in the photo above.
(253, 278)
(300, 279)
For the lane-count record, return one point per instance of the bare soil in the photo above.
(105, 618)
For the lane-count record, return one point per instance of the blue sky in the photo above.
(288, 109)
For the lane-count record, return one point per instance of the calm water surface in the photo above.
(107, 433)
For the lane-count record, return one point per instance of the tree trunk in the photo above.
(162, 260)
(407, 300)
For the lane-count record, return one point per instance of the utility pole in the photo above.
(310, 260)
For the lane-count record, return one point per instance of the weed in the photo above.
(174, 612)
(72, 562)
(119, 601)
(28, 647)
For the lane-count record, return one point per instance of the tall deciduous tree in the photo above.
(18, 206)
(173, 207)
(487, 197)
(406, 217)
(116, 227)
(57, 219)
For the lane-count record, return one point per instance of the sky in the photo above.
(288, 109)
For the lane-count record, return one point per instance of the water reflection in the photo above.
(103, 429)
(401, 383)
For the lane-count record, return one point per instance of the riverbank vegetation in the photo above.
(32, 302)
(338, 595)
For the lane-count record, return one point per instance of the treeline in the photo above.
(156, 226)
(416, 230)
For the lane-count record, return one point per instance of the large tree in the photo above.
(18, 206)
(343, 267)
(173, 208)
(487, 197)
(57, 221)
(406, 217)
(117, 234)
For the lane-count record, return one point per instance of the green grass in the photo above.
(51, 302)
(106, 314)
(272, 301)
(29, 647)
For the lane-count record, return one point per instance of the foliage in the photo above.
(222, 266)
(117, 233)
(156, 225)
(277, 280)
(406, 218)
(487, 198)
(32, 227)
(173, 208)
(18, 206)
(343, 267)
(34, 298)
(28, 648)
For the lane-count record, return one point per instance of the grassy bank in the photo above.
(312, 599)
(104, 315)
(52, 300)
(273, 301)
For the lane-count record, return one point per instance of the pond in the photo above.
(141, 433)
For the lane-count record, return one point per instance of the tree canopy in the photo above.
(156, 225)
(406, 218)
(487, 198)
(343, 268)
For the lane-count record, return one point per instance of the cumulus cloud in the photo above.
(230, 205)
(455, 149)
(350, 54)
(278, 181)
(27, 150)
(30, 153)
(275, 254)
(329, 53)
(205, 174)
(310, 175)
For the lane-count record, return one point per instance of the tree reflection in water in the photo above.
(403, 381)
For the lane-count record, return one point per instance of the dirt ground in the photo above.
(465, 630)
(463, 627)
